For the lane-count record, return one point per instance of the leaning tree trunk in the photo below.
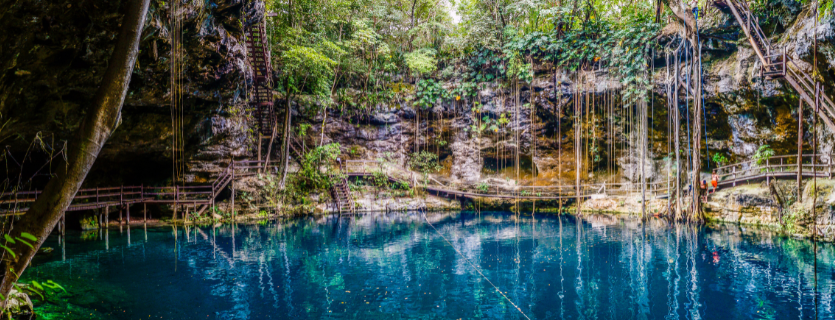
(102, 118)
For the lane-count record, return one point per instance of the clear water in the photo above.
(440, 266)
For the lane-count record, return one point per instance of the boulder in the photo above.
(19, 305)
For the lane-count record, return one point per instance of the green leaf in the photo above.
(37, 285)
(9, 250)
(28, 236)
(51, 284)
(8, 238)
(26, 243)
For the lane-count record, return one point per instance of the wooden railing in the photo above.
(775, 167)
(85, 199)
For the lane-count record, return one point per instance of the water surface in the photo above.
(439, 266)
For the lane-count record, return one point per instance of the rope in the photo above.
(476, 268)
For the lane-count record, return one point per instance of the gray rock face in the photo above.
(630, 165)
(466, 163)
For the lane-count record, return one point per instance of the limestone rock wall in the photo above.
(54, 56)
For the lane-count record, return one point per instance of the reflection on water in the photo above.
(407, 266)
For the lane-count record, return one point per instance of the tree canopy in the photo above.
(350, 52)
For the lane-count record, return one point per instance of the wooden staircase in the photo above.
(341, 193)
(224, 179)
(777, 65)
(258, 55)
(342, 196)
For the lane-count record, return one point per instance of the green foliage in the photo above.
(379, 178)
(763, 152)
(303, 128)
(421, 62)
(488, 124)
(719, 159)
(464, 90)
(311, 175)
(424, 162)
(516, 67)
(428, 92)
(35, 288)
(483, 187)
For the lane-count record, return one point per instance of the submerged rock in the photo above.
(19, 305)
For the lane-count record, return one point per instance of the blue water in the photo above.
(439, 266)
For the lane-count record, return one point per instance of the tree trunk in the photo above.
(285, 137)
(691, 33)
(102, 118)
(696, 213)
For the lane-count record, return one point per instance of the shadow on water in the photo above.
(438, 265)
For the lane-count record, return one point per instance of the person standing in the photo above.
(714, 181)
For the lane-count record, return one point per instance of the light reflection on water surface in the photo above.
(397, 266)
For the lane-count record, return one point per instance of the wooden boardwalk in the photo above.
(202, 197)
(775, 167)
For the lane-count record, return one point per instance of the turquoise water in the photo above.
(439, 266)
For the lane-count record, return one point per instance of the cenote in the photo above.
(461, 265)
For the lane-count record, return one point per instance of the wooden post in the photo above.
(127, 212)
(63, 224)
(259, 152)
(121, 202)
(800, 151)
(176, 200)
(144, 213)
(734, 171)
(767, 174)
(106, 216)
